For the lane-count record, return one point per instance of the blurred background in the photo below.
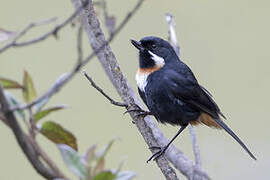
(225, 43)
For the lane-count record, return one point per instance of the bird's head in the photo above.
(154, 52)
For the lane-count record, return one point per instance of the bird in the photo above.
(172, 93)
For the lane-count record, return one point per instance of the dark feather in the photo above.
(142, 94)
(229, 131)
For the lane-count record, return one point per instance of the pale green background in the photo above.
(226, 43)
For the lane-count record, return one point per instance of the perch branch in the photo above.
(111, 67)
(151, 134)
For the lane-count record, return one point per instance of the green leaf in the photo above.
(10, 84)
(125, 175)
(57, 134)
(29, 92)
(73, 161)
(40, 114)
(12, 101)
(105, 175)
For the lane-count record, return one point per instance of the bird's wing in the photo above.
(189, 91)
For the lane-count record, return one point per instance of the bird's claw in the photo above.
(143, 114)
(134, 108)
(157, 154)
(154, 147)
(140, 112)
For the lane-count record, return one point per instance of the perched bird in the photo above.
(171, 92)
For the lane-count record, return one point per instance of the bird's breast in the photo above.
(142, 75)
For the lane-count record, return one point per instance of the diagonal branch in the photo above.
(111, 67)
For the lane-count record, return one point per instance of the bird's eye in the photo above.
(154, 46)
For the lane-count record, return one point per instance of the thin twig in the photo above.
(172, 34)
(109, 20)
(79, 44)
(103, 93)
(62, 80)
(57, 85)
(195, 146)
(52, 32)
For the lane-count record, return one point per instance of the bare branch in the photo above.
(52, 32)
(172, 34)
(79, 44)
(103, 93)
(195, 146)
(58, 84)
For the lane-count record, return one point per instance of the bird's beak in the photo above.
(137, 44)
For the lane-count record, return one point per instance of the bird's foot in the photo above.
(161, 151)
(140, 112)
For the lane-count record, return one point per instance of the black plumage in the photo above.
(171, 92)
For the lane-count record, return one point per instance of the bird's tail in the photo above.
(207, 120)
(229, 131)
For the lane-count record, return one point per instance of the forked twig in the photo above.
(54, 31)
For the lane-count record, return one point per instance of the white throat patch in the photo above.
(158, 60)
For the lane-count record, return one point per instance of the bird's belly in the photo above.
(168, 109)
